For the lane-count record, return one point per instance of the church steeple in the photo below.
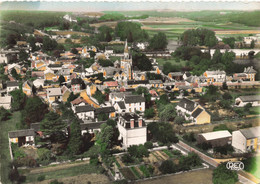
(126, 51)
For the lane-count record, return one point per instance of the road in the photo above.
(210, 161)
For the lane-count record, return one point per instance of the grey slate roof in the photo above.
(250, 98)
(121, 105)
(105, 110)
(134, 99)
(93, 125)
(76, 81)
(174, 74)
(21, 133)
(84, 108)
(190, 105)
(197, 112)
(12, 83)
(131, 82)
(249, 70)
(252, 132)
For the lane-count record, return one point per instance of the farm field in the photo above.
(193, 177)
(59, 171)
(162, 61)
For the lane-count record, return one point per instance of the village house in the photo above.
(38, 82)
(50, 75)
(178, 76)
(90, 127)
(84, 112)
(28, 88)
(120, 107)
(248, 74)
(109, 111)
(65, 93)
(5, 102)
(193, 111)
(215, 76)
(241, 101)
(53, 94)
(12, 85)
(215, 139)
(246, 140)
(156, 83)
(134, 103)
(76, 85)
(132, 130)
(22, 137)
(118, 96)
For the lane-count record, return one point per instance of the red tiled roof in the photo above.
(78, 101)
(111, 83)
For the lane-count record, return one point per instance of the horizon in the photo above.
(130, 6)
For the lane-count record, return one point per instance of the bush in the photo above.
(25, 161)
(205, 146)
(44, 156)
(148, 145)
(56, 182)
(189, 137)
(167, 167)
(126, 158)
(41, 178)
(138, 151)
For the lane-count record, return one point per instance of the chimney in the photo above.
(185, 105)
(140, 122)
(96, 120)
(132, 123)
(142, 94)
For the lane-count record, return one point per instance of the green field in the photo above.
(5, 159)
(252, 165)
(72, 171)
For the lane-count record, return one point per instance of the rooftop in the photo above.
(252, 132)
(134, 99)
(84, 108)
(216, 135)
(21, 133)
(250, 98)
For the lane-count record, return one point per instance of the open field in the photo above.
(162, 61)
(193, 177)
(64, 33)
(5, 158)
(59, 171)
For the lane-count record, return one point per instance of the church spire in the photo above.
(126, 47)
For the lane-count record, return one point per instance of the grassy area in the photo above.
(145, 171)
(161, 61)
(252, 165)
(168, 153)
(135, 172)
(5, 159)
(254, 110)
(72, 171)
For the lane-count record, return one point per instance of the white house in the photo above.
(134, 103)
(193, 111)
(215, 76)
(120, 107)
(22, 137)
(246, 140)
(5, 102)
(241, 101)
(69, 18)
(117, 96)
(132, 129)
(85, 111)
(12, 85)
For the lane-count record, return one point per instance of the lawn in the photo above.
(5, 159)
(161, 61)
(252, 165)
(67, 172)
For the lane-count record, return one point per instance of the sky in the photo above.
(128, 6)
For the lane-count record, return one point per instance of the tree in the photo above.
(138, 151)
(18, 101)
(179, 120)
(167, 167)
(31, 40)
(141, 61)
(34, 110)
(49, 44)
(74, 51)
(162, 132)
(4, 114)
(148, 145)
(224, 86)
(167, 112)
(15, 74)
(23, 55)
(158, 42)
(222, 175)
(111, 122)
(99, 96)
(149, 113)
(72, 97)
(247, 107)
(61, 79)
(53, 126)
(252, 44)
(75, 141)
(230, 41)
(105, 135)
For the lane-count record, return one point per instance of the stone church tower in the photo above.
(126, 63)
